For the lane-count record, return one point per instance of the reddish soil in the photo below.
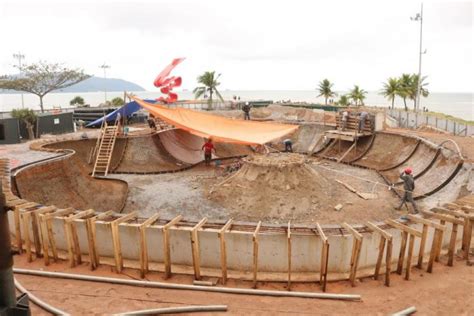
(447, 291)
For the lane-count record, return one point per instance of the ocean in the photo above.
(460, 105)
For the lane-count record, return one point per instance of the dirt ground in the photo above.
(447, 291)
(300, 196)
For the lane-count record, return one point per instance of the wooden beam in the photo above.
(455, 213)
(74, 250)
(401, 256)
(255, 253)
(377, 229)
(114, 227)
(403, 227)
(467, 233)
(125, 218)
(411, 244)
(354, 232)
(91, 237)
(347, 152)
(221, 235)
(321, 233)
(434, 246)
(143, 243)
(446, 218)
(388, 261)
(323, 270)
(452, 245)
(380, 257)
(195, 248)
(440, 242)
(25, 218)
(421, 253)
(166, 244)
(425, 221)
(288, 247)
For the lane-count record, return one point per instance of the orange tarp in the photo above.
(221, 129)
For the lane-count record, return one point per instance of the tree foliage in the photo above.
(357, 95)
(343, 100)
(391, 89)
(209, 83)
(27, 116)
(78, 100)
(42, 78)
(118, 101)
(325, 90)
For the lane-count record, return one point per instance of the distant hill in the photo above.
(94, 84)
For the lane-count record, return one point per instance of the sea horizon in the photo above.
(457, 104)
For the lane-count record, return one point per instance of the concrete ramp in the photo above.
(182, 145)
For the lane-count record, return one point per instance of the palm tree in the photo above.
(405, 82)
(391, 89)
(343, 100)
(324, 89)
(414, 87)
(357, 94)
(209, 84)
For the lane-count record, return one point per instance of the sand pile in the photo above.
(274, 187)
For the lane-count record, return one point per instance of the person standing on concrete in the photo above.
(408, 187)
(246, 109)
(208, 147)
(288, 145)
(362, 117)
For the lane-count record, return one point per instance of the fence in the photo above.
(415, 120)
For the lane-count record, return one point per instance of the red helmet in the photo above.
(408, 170)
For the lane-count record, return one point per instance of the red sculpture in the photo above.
(167, 84)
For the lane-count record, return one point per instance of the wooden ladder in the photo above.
(105, 150)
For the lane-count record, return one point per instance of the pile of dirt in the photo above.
(275, 186)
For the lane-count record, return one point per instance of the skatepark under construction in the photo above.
(325, 212)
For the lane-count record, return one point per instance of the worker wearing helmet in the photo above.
(409, 187)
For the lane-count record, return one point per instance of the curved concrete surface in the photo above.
(65, 182)
(387, 151)
(340, 148)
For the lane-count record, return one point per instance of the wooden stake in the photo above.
(452, 245)
(255, 253)
(388, 262)
(26, 232)
(221, 235)
(379, 258)
(356, 247)
(143, 244)
(324, 257)
(440, 242)
(116, 239)
(195, 248)
(401, 256)
(424, 235)
(434, 245)
(17, 219)
(288, 237)
(467, 245)
(410, 256)
(166, 244)
(91, 238)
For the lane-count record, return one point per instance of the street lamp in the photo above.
(105, 67)
(419, 17)
(20, 56)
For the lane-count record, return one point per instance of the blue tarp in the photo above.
(126, 110)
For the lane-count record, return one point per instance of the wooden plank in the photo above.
(221, 235)
(455, 213)
(125, 218)
(403, 227)
(443, 217)
(321, 233)
(401, 256)
(288, 247)
(59, 213)
(347, 152)
(69, 241)
(195, 248)
(166, 244)
(354, 232)
(380, 257)
(429, 269)
(421, 253)
(81, 214)
(452, 245)
(44, 234)
(116, 246)
(91, 242)
(26, 233)
(440, 242)
(36, 234)
(255, 253)
(379, 230)
(425, 221)
(325, 266)
(51, 238)
(144, 244)
(388, 261)
(358, 246)
(411, 244)
(17, 220)
(467, 244)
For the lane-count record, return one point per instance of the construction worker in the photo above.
(246, 109)
(408, 187)
(208, 147)
(344, 118)
(362, 117)
(288, 145)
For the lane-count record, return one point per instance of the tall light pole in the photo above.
(419, 17)
(20, 56)
(105, 67)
